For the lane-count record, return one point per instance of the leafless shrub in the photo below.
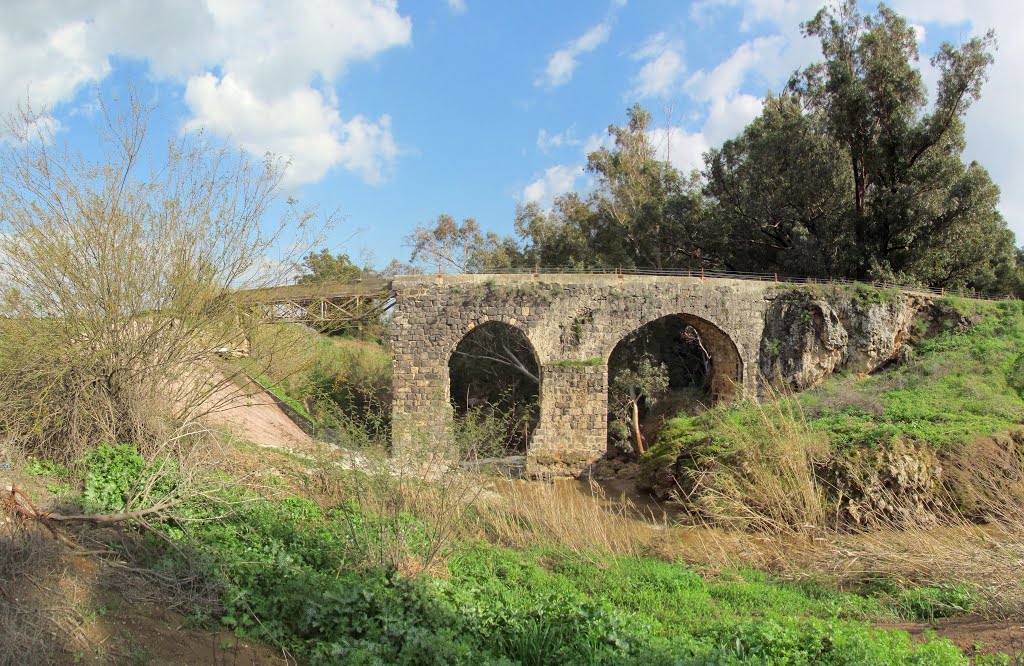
(119, 277)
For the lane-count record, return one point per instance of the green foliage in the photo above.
(112, 473)
(930, 603)
(325, 267)
(460, 247)
(295, 574)
(340, 384)
(646, 380)
(489, 431)
(38, 467)
(867, 102)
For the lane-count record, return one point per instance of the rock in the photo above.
(804, 341)
(899, 484)
(810, 335)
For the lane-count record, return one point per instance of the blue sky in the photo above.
(393, 113)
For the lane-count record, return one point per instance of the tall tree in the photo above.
(460, 247)
(641, 213)
(779, 192)
(911, 198)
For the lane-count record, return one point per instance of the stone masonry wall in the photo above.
(573, 323)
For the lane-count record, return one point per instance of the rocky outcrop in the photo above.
(899, 484)
(809, 334)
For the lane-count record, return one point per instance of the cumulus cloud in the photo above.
(556, 180)
(261, 72)
(562, 62)
(661, 69)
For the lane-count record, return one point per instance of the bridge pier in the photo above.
(573, 429)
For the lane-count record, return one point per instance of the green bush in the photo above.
(112, 472)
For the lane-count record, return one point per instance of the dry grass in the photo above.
(584, 521)
(767, 481)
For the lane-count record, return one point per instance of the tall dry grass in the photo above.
(768, 509)
(583, 520)
(764, 479)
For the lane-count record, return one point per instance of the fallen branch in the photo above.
(20, 505)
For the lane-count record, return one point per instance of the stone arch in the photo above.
(486, 376)
(726, 375)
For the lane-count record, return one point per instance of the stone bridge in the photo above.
(573, 323)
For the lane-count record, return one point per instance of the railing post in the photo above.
(702, 273)
(776, 278)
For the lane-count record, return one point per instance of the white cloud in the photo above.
(562, 62)
(556, 180)
(684, 150)
(457, 6)
(759, 57)
(546, 142)
(920, 33)
(300, 124)
(243, 64)
(775, 12)
(661, 70)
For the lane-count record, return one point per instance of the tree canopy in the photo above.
(849, 172)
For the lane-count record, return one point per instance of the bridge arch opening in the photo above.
(675, 364)
(494, 389)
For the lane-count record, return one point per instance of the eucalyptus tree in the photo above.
(913, 206)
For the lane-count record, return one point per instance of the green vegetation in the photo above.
(586, 363)
(291, 574)
(960, 386)
(937, 430)
(335, 382)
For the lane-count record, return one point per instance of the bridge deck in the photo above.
(323, 302)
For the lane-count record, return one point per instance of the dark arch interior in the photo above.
(494, 390)
(672, 365)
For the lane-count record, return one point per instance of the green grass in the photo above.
(301, 576)
(587, 363)
(957, 388)
(328, 380)
(290, 575)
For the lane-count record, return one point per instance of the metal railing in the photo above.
(739, 275)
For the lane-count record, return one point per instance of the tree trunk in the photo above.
(638, 440)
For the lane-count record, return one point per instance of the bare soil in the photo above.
(973, 634)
